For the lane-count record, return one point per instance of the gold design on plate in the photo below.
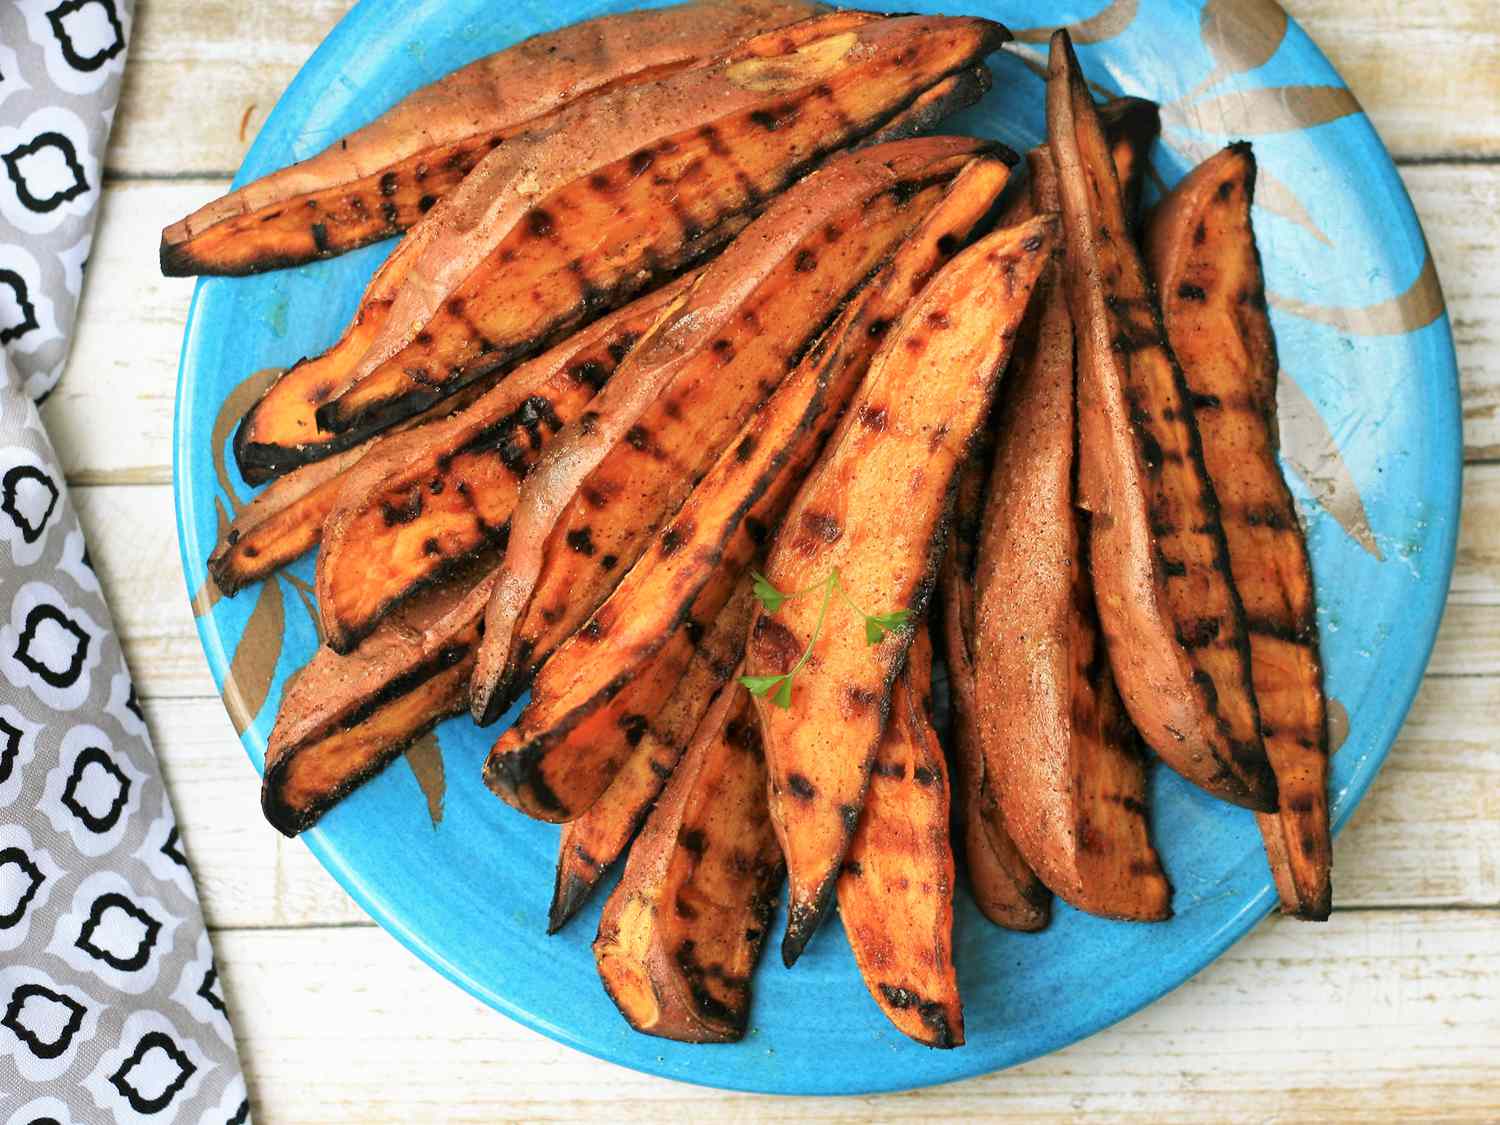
(1262, 110)
(425, 758)
(254, 664)
(1241, 36)
(1112, 21)
(1310, 450)
(1416, 307)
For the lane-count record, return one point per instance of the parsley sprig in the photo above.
(772, 599)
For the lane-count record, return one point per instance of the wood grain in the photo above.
(1398, 1024)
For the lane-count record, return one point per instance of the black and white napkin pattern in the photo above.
(110, 1007)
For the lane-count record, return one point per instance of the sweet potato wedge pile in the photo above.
(868, 525)
(589, 508)
(697, 370)
(682, 932)
(566, 731)
(379, 180)
(1203, 259)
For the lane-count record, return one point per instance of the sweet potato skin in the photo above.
(875, 509)
(1069, 777)
(680, 935)
(379, 180)
(592, 842)
(1203, 258)
(895, 888)
(1171, 617)
(420, 506)
(639, 180)
(681, 351)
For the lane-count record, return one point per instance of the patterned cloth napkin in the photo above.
(109, 1002)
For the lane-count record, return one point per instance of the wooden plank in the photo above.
(1428, 834)
(227, 60)
(1385, 50)
(1373, 1017)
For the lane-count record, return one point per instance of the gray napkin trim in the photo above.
(110, 1006)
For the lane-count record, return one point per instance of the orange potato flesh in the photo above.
(422, 505)
(345, 718)
(876, 508)
(623, 187)
(895, 889)
(1172, 619)
(596, 839)
(1203, 257)
(381, 179)
(723, 520)
(680, 935)
(686, 388)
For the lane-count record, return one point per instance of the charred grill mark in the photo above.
(800, 787)
(849, 814)
(922, 775)
(932, 1014)
(637, 437)
(675, 536)
(402, 510)
(1302, 630)
(822, 526)
(608, 562)
(891, 771)
(861, 699)
(580, 541)
(635, 727)
(1189, 292)
(1172, 568)
(426, 203)
(1198, 634)
(692, 840)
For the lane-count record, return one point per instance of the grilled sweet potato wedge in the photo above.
(1171, 616)
(633, 183)
(574, 730)
(870, 520)
(287, 518)
(345, 718)
(421, 506)
(1131, 126)
(281, 524)
(681, 934)
(1069, 777)
(1005, 888)
(1203, 258)
(588, 510)
(280, 432)
(896, 887)
(597, 838)
(379, 180)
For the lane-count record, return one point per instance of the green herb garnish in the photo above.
(772, 599)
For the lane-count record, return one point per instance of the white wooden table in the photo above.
(1390, 1010)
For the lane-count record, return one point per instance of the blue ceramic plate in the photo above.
(1370, 434)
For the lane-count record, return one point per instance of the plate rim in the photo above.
(1184, 968)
